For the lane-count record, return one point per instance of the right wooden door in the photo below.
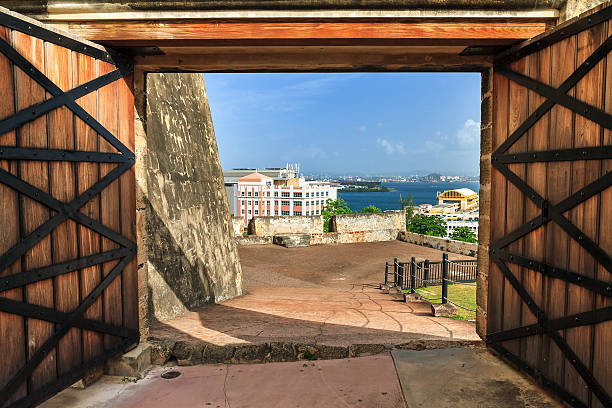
(550, 282)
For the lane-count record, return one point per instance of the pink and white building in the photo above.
(259, 195)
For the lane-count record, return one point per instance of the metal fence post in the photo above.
(386, 273)
(412, 274)
(426, 273)
(400, 268)
(444, 277)
(395, 280)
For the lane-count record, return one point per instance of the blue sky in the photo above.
(362, 123)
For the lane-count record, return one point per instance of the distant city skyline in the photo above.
(376, 124)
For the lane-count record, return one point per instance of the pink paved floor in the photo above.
(355, 314)
(356, 382)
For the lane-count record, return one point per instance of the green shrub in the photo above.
(371, 209)
(427, 225)
(333, 207)
(464, 234)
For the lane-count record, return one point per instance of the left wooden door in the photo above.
(68, 283)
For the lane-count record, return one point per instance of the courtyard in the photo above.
(329, 337)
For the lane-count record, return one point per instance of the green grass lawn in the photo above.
(463, 295)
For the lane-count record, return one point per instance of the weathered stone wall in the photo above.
(442, 244)
(253, 240)
(324, 238)
(187, 244)
(573, 8)
(347, 223)
(484, 221)
(238, 226)
(290, 224)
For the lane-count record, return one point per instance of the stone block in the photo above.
(188, 352)
(282, 352)
(292, 240)
(131, 364)
(412, 297)
(251, 353)
(486, 111)
(443, 309)
(320, 352)
(356, 350)
(217, 354)
(161, 350)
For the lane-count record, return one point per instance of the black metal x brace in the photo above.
(547, 105)
(562, 323)
(69, 322)
(49, 86)
(576, 362)
(555, 213)
(596, 285)
(64, 211)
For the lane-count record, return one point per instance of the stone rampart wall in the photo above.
(443, 244)
(355, 223)
(290, 224)
(186, 238)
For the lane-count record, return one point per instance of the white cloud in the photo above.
(379, 124)
(469, 134)
(362, 128)
(391, 148)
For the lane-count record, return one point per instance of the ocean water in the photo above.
(422, 193)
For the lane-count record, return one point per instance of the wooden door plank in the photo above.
(110, 200)
(534, 245)
(602, 332)
(515, 217)
(12, 329)
(584, 216)
(33, 214)
(129, 281)
(495, 307)
(86, 139)
(58, 67)
(561, 132)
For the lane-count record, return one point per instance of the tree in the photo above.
(428, 225)
(407, 204)
(371, 209)
(464, 234)
(332, 208)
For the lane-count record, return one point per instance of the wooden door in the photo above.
(68, 296)
(550, 282)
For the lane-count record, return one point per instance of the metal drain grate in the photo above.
(170, 374)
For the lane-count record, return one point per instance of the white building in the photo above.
(259, 195)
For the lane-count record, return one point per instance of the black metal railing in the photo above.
(414, 275)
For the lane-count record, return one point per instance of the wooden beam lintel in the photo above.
(301, 62)
(118, 32)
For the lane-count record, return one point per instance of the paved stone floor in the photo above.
(358, 382)
(320, 295)
(357, 314)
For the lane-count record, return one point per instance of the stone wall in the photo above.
(368, 227)
(238, 226)
(345, 223)
(290, 224)
(186, 244)
(442, 244)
